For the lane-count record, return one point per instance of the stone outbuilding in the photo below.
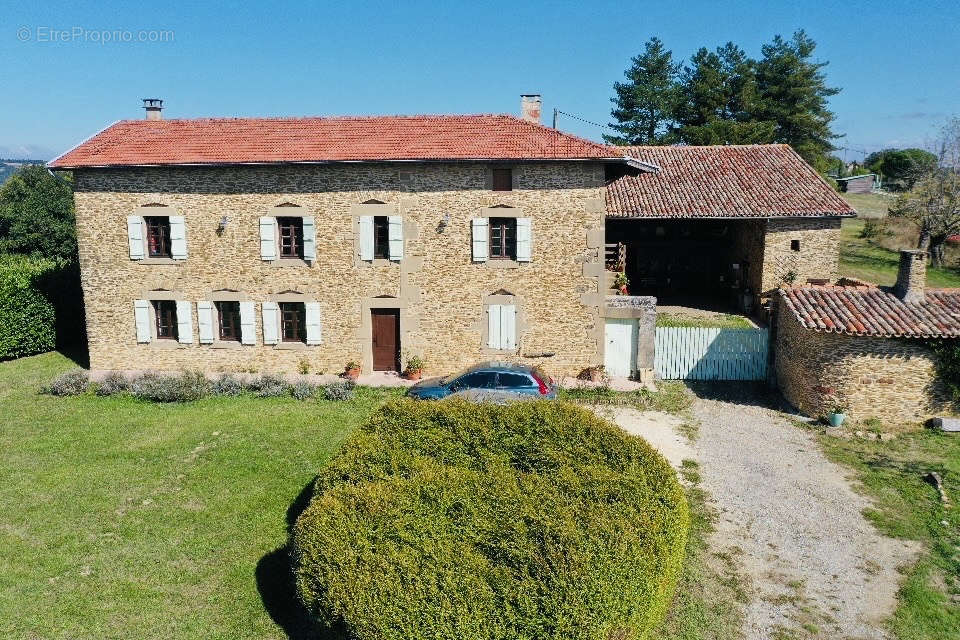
(865, 347)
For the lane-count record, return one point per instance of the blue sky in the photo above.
(897, 62)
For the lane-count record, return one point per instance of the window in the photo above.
(515, 381)
(503, 238)
(503, 179)
(502, 326)
(293, 322)
(795, 245)
(228, 321)
(158, 236)
(478, 380)
(381, 237)
(166, 314)
(291, 237)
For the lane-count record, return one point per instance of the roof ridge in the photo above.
(397, 116)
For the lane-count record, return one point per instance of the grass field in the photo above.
(869, 261)
(869, 205)
(716, 320)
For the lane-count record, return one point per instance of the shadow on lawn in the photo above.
(274, 575)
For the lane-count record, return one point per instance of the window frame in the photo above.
(381, 237)
(507, 249)
(501, 179)
(165, 324)
(235, 333)
(299, 322)
(157, 234)
(290, 227)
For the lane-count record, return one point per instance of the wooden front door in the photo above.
(385, 324)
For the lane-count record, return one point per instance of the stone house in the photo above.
(866, 348)
(260, 244)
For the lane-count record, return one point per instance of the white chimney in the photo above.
(530, 104)
(153, 107)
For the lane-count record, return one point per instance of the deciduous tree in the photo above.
(36, 215)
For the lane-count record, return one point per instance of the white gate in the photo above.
(684, 353)
(620, 346)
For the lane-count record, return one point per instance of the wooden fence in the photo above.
(711, 354)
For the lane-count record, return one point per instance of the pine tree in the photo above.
(646, 103)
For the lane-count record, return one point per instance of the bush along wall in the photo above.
(27, 315)
(450, 520)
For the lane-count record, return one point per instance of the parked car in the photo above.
(491, 379)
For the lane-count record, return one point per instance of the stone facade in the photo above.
(818, 255)
(893, 379)
(438, 289)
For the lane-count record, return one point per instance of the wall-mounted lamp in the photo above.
(222, 226)
(442, 226)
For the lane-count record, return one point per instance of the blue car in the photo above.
(499, 378)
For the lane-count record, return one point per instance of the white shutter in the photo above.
(248, 324)
(205, 321)
(508, 327)
(268, 238)
(366, 237)
(524, 240)
(313, 322)
(309, 239)
(395, 235)
(141, 313)
(271, 321)
(178, 238)
(135, 238)
(481, 230)
(184, 322)
(493, 327)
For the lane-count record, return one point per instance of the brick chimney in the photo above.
(912, 276)
(530, 107)
(154, 107)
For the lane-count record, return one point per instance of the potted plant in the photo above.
(595, 373)
(414, 368)
(837, 415)
(352, 370)
(620, 283)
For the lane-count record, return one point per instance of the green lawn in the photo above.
(906, 506)
(715, 320)
(868, 261)
(869, 205)
(125, 519)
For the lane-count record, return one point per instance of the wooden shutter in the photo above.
(524, 240)
(508, 327)
(178, 238)
(135, 238)
(309, 239)
(184, 322)
(395, 235)
(141, 314)
(493, 326)
(313, 322)
(205, 312)
(481, 238)
(268, 238)
(271, 321)
(366, 237)
(248, 324)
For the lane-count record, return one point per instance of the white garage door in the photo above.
(620, 350)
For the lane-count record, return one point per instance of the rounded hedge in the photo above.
(457, 520)
(27, 316)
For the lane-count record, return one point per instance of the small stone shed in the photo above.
(866, 347)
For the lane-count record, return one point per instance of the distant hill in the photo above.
(9, 167)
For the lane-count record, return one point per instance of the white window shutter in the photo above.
(135, 238)
(271, 322)
(178, 238)
(481, 231)
(309, 239)
(205, 321)
(366, 237)
(184, 322)
(248, 324)
(524, 240)
(395, 235)
(268, 238)
(508, 327)
(493, 326)
(313, 322)
(141, 313)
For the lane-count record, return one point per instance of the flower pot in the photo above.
(836, 419)
(595, 375)
(353, 374)
(414, 375)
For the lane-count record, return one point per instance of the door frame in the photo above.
(387, 311)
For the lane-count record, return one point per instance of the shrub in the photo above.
(303, 390)
(227, 385)
(874, 228)
(339, 390)
(71, 383)
(188, 386)
(457, 520)
(269, 386)
(27, 316)
(303, 366)
(112, 383)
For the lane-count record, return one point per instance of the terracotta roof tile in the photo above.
(283, 140)
(874, 311)
(735, 181)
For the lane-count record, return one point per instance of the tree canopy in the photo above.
(37, 216)
(901, 168)
(646, 103)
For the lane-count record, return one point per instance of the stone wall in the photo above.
(818, 255)
(438, 288)
(893, 379)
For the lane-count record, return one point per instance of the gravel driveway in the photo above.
(814, 566)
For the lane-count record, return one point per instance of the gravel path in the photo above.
(812, 563)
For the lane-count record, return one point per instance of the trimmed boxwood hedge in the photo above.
(27, 316)
(456, 520)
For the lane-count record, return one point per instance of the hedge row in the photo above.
(451, 520)
(27, 315)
